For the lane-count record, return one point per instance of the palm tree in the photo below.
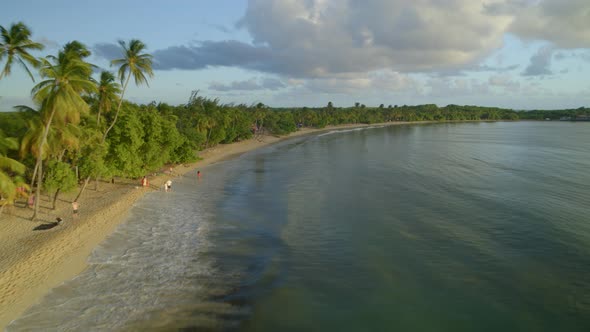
(31, 141)
(108, 92)
(8, 169)
(15, 45)
(134, 63)
(76, 49)
(259, 116)
(67, 78)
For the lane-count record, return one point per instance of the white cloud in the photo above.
(321, 38)
(331, 38)
(459, 87)
(327, 38)
(249, 85)
(565, 23)
(384, 81)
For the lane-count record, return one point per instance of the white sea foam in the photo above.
(341, 131)
(153, 262)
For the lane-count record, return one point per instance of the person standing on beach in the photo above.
(75, 207)
(199, 175)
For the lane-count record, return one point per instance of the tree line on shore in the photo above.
(82, 128)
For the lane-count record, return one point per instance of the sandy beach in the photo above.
(32, 262)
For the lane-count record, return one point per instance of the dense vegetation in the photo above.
(82, 128)
(554, 114)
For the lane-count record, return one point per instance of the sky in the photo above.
(519, 54)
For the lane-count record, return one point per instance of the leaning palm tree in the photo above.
(108, 93)
(60, 138)
(67, 77)
(31, 141)
(134, 63)
(15, 46)
(10, 170)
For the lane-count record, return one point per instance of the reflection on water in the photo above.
(446, 227)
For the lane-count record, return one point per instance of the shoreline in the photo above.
(34, 262)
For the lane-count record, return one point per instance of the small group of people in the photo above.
(168, 184)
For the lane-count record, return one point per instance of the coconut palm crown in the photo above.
(15, 46)
(108, 93)
(134, 63)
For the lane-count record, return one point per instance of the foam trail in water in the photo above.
(154, 265)
(332, 132)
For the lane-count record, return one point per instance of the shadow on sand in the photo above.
(50, 225)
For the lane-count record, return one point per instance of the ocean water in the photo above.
(441, 227)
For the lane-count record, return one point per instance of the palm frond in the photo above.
(7, 66)
(26, 69)
(12, 165)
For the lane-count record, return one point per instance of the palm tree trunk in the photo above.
(55, 198)
(208, 135)
(61, 155)
(40, 163)
(83, 187)
(262, 127)
(34, 174)
(38, 189)
(104, 137)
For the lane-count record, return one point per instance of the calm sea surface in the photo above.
(443, 227)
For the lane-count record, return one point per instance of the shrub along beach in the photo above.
(83, 142)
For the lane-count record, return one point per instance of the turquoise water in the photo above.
(443, 227)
